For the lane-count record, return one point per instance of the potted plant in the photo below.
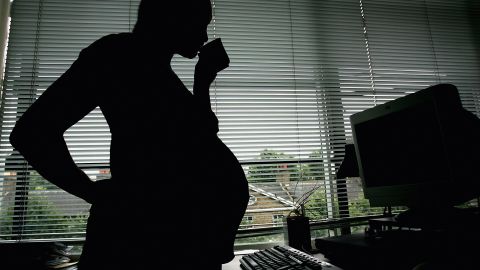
(298, 224)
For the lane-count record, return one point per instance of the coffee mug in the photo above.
(214, 55)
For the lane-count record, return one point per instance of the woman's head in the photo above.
(180, 24)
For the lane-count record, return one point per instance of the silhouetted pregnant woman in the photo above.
(177, 193)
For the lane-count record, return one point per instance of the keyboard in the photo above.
(283, 258)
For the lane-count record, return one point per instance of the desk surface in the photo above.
(233, 265)
(403, 250)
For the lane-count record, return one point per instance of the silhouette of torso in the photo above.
(173, 181)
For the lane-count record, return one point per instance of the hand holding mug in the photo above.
(212, 59)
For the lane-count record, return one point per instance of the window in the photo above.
(298, 70)
(278, 220)
(247, 222)
(252, 200)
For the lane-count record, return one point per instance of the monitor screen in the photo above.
(402, 147)
(408, 149)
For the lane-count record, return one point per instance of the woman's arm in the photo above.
(203, 78)
(212, 59)
(201, 90)
(38, 134)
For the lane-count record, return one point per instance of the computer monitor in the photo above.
(420, 151)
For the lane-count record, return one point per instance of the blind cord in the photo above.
(292, 47)
(437, 70)
(369, 57)
(214, 36)
(24, 182)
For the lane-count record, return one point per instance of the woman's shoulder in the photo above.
(112, 45)
(117, 39)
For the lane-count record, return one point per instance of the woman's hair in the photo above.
(153, 14)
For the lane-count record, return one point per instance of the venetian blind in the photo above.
(279, 104)
(299, 69)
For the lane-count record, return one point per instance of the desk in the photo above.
(402, 251)
(26, 256)
(448, 243)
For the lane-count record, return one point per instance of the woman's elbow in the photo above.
(20, 137)
(27, 134)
